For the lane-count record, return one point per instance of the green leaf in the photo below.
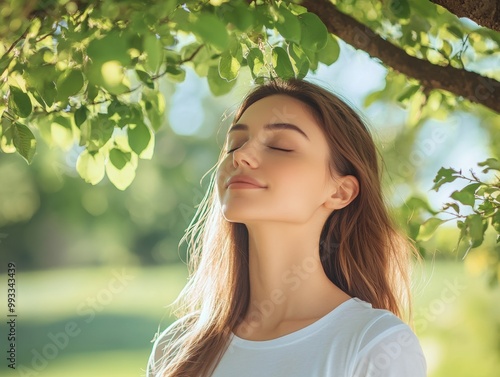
(373, 97)
(211, 29)
(299, 60)
(255, 61)
(19, 102)
(314, 34)
(490, 164)
(235, 49)
(408, 93)
(111, 47)
(4, 63)
(415, 109)
(102, 129)
(447, 49)
(81, 115)
(455, 207)
(7, 121)
(38, 97)
(415, 203)
(218, 86)
(487, 208)
(428, 228)
(176, 74)
(237, 14)
(263, 17)
(475, 229)
(61, 132)
(186, 53)
(139, 137)
(288, 25)
(145, 78)
(49, 93)
(229, 66)
(444, 176)
(495, 222)
(282, 64)
(463, 233)
(455, 31)
(154, 105)
(96, 132)
(154, 50)
(92, 92)
(119, 158)
(124, 176)
(110, 76)
(312, 56)
(466, 195)
(121, 110)
(297, 9)
(90, 166)
(69, 84)
(24, 141)
(331, 52)
(400, 8)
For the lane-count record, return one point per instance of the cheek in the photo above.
(224, 172)
(297, 174)
(220, 179)
(300, 181)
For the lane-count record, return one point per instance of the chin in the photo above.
(241, 216)
(235, 218)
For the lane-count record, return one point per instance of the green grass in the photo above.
(91, 322)
(459, 332)
(49, 295)
(108, 364)
(459, 327)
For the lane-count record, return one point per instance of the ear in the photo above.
(346, 189)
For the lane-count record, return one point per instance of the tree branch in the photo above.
(485, 13)
(460, 82)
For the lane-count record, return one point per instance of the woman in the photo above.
(296, 268)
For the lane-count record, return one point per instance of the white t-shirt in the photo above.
(353, 340)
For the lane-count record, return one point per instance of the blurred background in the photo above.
(97, 267)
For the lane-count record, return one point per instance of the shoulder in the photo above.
(386, 345)
(360, 320)
(163, 339)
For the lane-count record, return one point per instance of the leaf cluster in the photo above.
(89, 72)
(475, 207)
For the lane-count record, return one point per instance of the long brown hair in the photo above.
(360, 249)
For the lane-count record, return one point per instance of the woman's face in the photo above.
(278, 143)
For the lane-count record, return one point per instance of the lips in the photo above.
(244, 179)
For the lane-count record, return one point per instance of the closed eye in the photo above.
(278, 149)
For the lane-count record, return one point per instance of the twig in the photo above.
(191, 57)
(17, 41)
(46, 35)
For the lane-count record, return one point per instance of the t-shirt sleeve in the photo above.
(395, 352)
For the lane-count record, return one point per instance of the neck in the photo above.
(287, 280)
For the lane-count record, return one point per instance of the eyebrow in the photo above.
(270, 127)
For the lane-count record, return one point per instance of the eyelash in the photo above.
(278, 149)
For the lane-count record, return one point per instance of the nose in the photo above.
(245, 155)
